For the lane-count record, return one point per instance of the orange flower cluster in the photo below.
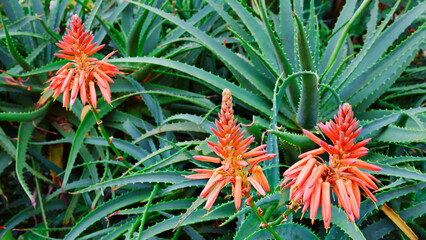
(237, 163)
(310, 181)
(78, 46)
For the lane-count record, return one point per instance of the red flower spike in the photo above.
(311, 181)
(235, 157)
(80, 75)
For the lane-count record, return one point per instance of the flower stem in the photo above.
(263, 220)
(282, 217)
(107, 138)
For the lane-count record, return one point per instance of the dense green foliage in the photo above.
(286, 71)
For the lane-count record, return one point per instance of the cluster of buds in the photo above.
(84, 71)
(239, 167)
(310, 180)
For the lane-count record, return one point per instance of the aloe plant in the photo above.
(287, 71)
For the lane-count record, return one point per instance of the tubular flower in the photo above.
(84, 71)
(239, 166)
(311, 181)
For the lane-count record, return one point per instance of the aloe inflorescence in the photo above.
(84, 71)
(239, 166)
(311, 179)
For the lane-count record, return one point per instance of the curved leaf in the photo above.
(286, 231)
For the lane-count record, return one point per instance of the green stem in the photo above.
(263, 220)
(282, 217)
(40, 198)
(153, 193)
(106, 137)
(344, 33)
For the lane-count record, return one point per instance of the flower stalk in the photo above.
(265, 224)
(108, 138)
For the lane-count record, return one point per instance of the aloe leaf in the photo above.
(345, 16)
(36, 52)
(239, 93)
(118, 231)
(45, 69)
(301, 141)
(195, 217)
(280, 54)
(233, 62)
(181, 204)
(345, 31)
(382, 227)
(271, 198)
(24, 134)
(190, 210)
(133, 38)
(115, 12)
(89, 21)
(372, 21)
(307, 113)
(28, 212)
(283, 62)
(381, 76)
(80, 135)
(24, 116)
(229, 20)
(6, 144)
(399, 172)
(18, 24)
(394, 133)
(103, 210)
(205, 124)
(183, 126)
(287, 230)
(12, 49)
(396, 160)
(382, 119)
(376, 46)
(257, 30)
(368, 206)
(158, 177)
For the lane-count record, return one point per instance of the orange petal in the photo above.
(314, 152)
(306, 172)
(213, 195)
(299, 163)
(207, 159)
(261, 178)
(311, 136)
(344, 199)
(326, 204)
(67, 80)
(352, 199)
(312, 181)
(256, 185)
(237, 192)
(66, 97)
(83, 94)
(93, 97)
(361, 175)
(365, 165)
(210, 184)
(357, 193)
(315, 199)
(198, 176)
